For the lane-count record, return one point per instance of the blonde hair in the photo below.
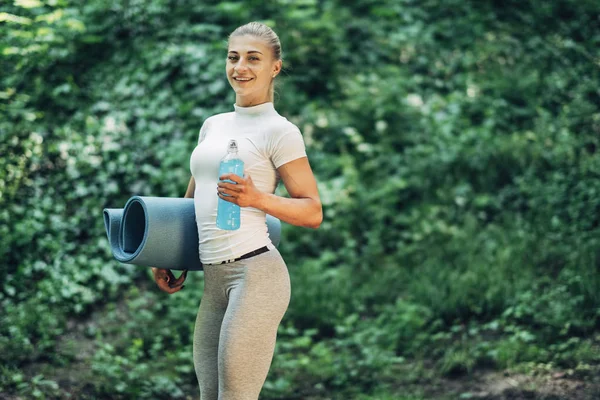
(263, 32)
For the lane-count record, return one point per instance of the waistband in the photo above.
(256, 252)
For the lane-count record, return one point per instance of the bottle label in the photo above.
(228, 214)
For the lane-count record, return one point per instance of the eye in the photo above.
(253, 58)
(231, 58)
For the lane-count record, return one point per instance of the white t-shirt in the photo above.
(266, 141)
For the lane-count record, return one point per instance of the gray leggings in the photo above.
(236, 327)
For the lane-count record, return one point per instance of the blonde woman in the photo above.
(247, 285)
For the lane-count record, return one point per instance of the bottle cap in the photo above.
(232, 147)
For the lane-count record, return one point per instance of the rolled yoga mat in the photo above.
(161, 232)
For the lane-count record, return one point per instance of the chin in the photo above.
(244, 91)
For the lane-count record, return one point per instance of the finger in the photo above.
(224, 192)
(232, 177)
(166, 288)
(172, 290)
(169, 277)
(162, 285)
(230, 192)
(179, 281)
(231, 186)
(230, 199)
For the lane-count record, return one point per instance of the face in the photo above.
(250, 69)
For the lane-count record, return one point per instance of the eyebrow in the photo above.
(251, 51)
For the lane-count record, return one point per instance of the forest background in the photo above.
(457, 148)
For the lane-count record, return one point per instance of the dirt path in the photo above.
(555, 385)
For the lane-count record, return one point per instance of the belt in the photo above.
(256, 252)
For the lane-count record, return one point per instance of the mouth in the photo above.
(241, 79)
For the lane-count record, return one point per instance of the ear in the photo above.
(276, 68)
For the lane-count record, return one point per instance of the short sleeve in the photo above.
(287, 147)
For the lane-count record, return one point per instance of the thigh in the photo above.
(247, 342)
(206, 343)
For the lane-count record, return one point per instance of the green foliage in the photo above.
(37, 387)
(456, 145)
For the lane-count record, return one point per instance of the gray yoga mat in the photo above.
(160, 232)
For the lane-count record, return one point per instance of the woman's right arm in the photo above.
(164, 277)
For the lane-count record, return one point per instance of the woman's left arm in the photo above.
(302, 209)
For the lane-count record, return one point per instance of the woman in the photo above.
(247, 285)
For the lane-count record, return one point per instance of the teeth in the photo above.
(242, 79)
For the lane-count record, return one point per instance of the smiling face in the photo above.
(250, 70)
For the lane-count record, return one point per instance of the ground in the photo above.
(493, 385)
(409, 382)
(488, 385)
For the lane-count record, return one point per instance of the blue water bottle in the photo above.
(228, 214)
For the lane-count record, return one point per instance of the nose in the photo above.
(241, 65)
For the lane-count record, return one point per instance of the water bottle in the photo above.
(228, 214)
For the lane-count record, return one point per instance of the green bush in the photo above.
(456, 149)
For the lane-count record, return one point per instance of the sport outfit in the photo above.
(243, 301)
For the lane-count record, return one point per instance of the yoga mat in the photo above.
(160, 232)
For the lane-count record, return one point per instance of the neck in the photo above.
(249, 101)
(254, 110)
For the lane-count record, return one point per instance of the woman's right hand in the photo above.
(166, 280)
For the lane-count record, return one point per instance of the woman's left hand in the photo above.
(242, 192)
